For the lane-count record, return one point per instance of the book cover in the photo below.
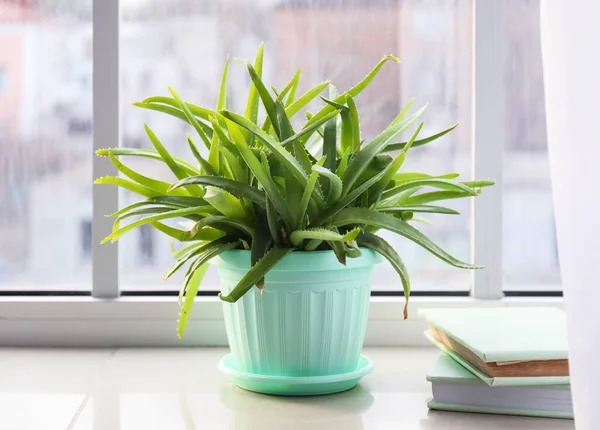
(432, 404)
(499, 381)
(504, 334)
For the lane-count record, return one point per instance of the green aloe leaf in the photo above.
(278, 151)
(184, 202)
(268, 140)
(114, 236)
(361, 160)
(282, 155)
(147, 153)
(355, 90)
(346, 200)
(175, 233)
(213, 154)
(198, 111)
(352, 250)
(334, 183)
(293, 87)
(330, 148)
(261, 242)
(225, 141)
(166, 203)
(127, 185)
(225, 202)
(194, 251)
(176, 253)
(298, 236)
(222, 100)
(286, 133)
(354, 120)
(404, 111)
(175, 112)
(230, 225)
(263, 177)
(307, 193)
(343, 164)
(377, 164)
(191, 283)
(191, 291)
(293, 108)
(236, 188)
(206, 233)
(253, 99)
(266, 99)
(421, 208)
(129, 208)
(153, 210)
(256, 273)
(434, 196)
(364, 216)
(240, 172)
(205, 165)
(410, 176)
(190, 117)
(159, 186)
(380, 246)
(420, 142)
(389, 197)
(170, 162)
(380, 186)
(339, 249)
(416, 218)
(289, 88)
(152, 207)
(480, 183)
(307, 130)
(346, 138)
(229, 151)
(275, 223)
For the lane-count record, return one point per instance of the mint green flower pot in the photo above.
(310, 319)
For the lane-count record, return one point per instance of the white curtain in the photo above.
(571, 58)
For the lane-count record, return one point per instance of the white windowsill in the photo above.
(151, 321)
(181, 388)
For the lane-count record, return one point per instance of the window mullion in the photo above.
(487, 146)
(105, 134)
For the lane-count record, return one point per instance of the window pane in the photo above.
(184, 44)
(45, 144)
(530, 251)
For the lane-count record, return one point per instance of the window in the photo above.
(146, 245)
(432, 38)
(86, 239)
(530, 249)
(45, 169)
(51, 216)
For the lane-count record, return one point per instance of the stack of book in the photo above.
(510, 361)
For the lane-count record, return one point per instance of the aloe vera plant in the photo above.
(272, 188)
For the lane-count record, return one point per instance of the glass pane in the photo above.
(530, 251)
(45, 145)
(184, 44)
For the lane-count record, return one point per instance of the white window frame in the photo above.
(108, 320)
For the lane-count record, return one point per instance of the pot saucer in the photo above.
(296, 385)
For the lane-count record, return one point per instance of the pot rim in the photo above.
(299, 260)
